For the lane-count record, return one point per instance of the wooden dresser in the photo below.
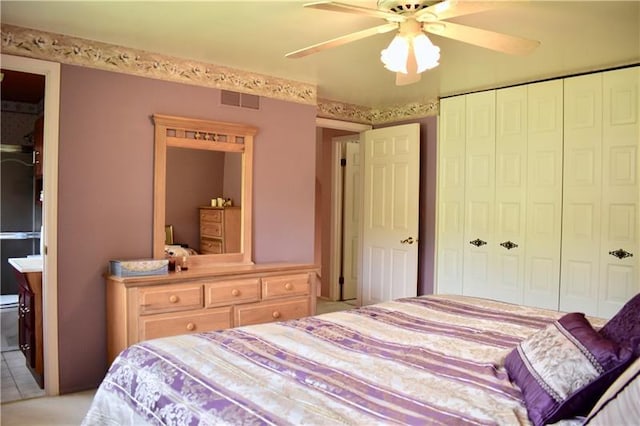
(204, 299)
(219, 230)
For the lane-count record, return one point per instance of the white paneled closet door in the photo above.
(582, 193)
(479, 198)
(544, 194)
(600, 225)
(451, 181)
(506, 280)
(619, 264)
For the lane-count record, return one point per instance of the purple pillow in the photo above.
(563, 369)
(624, 327)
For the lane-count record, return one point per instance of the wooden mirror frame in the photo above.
(209, 135)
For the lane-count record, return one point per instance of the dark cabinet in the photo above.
(30, 323)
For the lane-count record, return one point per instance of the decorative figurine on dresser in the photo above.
(221, 288)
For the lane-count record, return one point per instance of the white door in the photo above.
(479, 235)
(351, 221)
(451, 157)
(620, 242)
(544, 194)
(391, 168)
(506, 275)
(582, 193)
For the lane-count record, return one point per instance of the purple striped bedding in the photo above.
(424, 360)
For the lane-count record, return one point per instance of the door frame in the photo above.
(327, 123)
(337, 211)
(51, 72)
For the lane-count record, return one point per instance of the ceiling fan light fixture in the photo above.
(395, 56)
(427, 54)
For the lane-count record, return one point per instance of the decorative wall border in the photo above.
(70, 50)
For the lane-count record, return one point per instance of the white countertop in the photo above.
(27, 264)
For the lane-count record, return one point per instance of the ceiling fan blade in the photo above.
(349, 8)
(452, 8)
(405, 79)
(482, 38)
(380, 29)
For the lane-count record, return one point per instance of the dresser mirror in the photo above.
(197, 162)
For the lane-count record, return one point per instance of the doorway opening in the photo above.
(46, 193)
(328, 202)
(21, 227)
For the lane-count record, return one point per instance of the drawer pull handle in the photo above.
(191, 326)
(275, 314)
(288, 286)
(235, 292)
(173, 298)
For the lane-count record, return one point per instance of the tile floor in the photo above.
(17, 381)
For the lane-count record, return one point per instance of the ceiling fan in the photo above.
(411, 52)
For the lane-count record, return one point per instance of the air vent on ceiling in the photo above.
(237, 99)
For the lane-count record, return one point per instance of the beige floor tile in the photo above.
(11, 394)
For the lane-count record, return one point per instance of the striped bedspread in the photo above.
(424, 360)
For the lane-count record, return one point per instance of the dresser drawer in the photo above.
(162, 325)
(170, 298)
(211, 229)
(210, 246)
(285, 285)
(272, 311)
(210, 215)
(232, 292)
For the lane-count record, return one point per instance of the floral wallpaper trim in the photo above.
(93, 54)
(360, 114)
(77, 51)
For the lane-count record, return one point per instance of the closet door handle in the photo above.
(477, 242)
(620, 253)
(409, 240)
(508, 245)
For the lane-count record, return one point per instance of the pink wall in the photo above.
(106, 185)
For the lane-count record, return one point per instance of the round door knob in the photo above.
(235, 292)
(191, 326)
(173, 298)
(275, 314)
(288, 286)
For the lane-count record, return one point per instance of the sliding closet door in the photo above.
(479, 233)
(544, 194)
(619, 277)
(506, 280)
(582, 193)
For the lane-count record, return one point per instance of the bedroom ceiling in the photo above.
(575, 36)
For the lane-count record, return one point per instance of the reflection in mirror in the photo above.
(194, 178)
(197, 161)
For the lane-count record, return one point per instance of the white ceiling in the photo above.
(575, 36)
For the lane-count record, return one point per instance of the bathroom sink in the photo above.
(27, 264)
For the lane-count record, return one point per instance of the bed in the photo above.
(422, 360)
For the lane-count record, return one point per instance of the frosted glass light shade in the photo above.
(395, 56)
(427, 54)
